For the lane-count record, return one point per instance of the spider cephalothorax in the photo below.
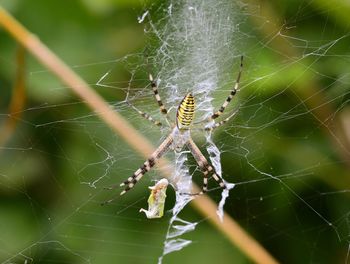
(180, 136)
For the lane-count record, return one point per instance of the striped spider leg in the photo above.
(145, 115)
(148, 164)
(154, 86)
(221, 110)
(205, 167)
(162, 108)
(233, 92)
(222, 122)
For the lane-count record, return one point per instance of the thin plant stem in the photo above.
(17, 99)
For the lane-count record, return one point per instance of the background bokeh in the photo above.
(287, 150)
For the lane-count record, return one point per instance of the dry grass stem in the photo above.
(17, 99)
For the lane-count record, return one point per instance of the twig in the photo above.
(204, 204)
(17, 99)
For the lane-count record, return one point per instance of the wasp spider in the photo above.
(180, 135)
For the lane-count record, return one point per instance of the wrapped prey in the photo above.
(156, 200)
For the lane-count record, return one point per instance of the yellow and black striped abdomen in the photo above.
(185, 112)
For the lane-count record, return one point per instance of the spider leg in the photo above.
(154, 86)
(205, 167)
(145, 115)
(218, 124)
(231, 95)
(147, 165)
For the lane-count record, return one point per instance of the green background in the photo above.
(293, 125)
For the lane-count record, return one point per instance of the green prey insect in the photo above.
(156, 200)
(180, 136)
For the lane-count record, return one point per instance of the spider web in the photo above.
(285, 150)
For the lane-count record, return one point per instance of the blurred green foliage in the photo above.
(49, 212)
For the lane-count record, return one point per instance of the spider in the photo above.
(180, 135)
